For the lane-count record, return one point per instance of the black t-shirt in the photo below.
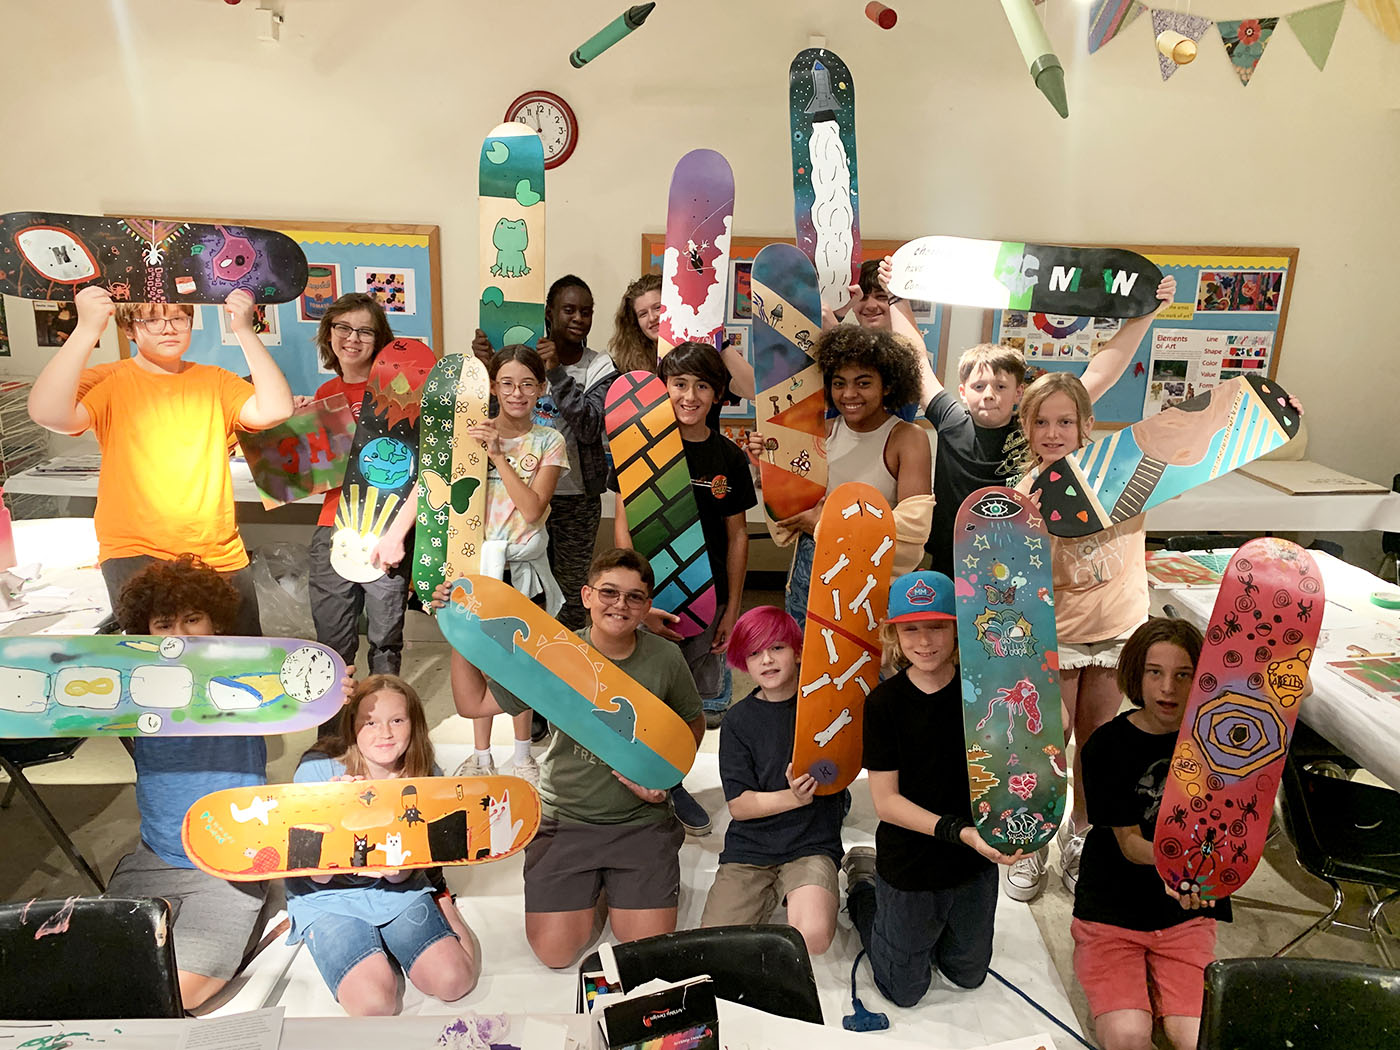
(1125, 773)
(755, 747)
(969, 457)
(921, 736)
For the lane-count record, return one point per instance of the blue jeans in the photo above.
(339, 943)
(799, 580)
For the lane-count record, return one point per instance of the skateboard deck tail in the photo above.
(511, 260)
(695, 272)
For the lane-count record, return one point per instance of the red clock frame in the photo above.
(570, 120)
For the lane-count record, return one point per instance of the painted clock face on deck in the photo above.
(553, 118)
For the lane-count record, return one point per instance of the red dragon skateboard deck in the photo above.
(348, 827)
(695, 273)
(841, 645)
(1214, 815)
(1010, 669)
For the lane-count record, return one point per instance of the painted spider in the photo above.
(1250, 808)
(1232, 625)
(153, 255)
(1247, 581)
(1178, 817)
(1305, 610)
(1238, 854)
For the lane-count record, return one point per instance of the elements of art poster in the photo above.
(1185, 362)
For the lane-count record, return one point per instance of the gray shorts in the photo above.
(706, 668)
(215, 921)
(567, 865)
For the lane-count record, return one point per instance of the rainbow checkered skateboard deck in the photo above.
(695, 272)
(510, 181)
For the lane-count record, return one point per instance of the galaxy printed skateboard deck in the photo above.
(511, 261)
(139, 685)
(1010, 670)
(1133, 470)
(826, 199)
(791, 405)
(581, 692)
(451, 474)
(46, 255)
(302, 456)
(655, 487)
(1011, 275)
(1229, 754)
(383, 463)
(351, 827)
(841, 644)
(695, 272)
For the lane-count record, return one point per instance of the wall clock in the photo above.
(553, 118)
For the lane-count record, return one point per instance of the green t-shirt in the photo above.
(579, 787)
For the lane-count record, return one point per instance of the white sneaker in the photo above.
(1025, 880)
(1069, 859)
(528, 770)
(472, 768)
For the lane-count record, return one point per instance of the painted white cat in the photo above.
(394, 853)
(503, 832)
(258, 809)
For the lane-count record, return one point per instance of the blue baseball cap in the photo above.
(921, 596)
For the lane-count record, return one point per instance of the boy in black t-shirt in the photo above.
(927, 894)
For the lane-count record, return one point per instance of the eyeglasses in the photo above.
(365, 335)
(611, 596)
(178, 323)
(526, 386)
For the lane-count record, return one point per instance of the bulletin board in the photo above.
(400, 264)
(930, 317)
(1228, 320)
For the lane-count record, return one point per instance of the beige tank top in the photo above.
(851, 456)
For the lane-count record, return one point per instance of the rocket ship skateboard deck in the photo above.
(695, 272)
(1133, 470)
(452, 474)
(654, 482)
(1011, 275)
(1230, 750)
(511, 187)
(791, 404)
(352, 827)
(137, 685)
(51, 256)
(826, 199)
(582, 693)
(302, 456)
(1010, 669)
(383, 462)
(841, 645)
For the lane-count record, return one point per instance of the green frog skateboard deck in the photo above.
(451, 474)
(695, 272)
(582, 693)
(511, 261)
(383, 463)
(841, 645)
(654, 484)
(302, 456)
(1229, 755)
(356, 827)
(1133, 470)
(1010, 669)
(136, 685)
(46, 255)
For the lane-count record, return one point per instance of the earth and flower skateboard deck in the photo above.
(451, 473)
(46, 255)
(654, 485)
(383, 464)
(841, 644)
(695, 271)
(1229, 755)
(1009, 664)
(581, 692)
(302, 456)
(281, 830)
(510, 181)
(1133, 470)
(139, 685)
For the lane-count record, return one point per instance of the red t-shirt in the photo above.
(355, 395)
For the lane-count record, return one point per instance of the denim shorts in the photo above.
(339, 943)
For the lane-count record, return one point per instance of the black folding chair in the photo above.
(15, 757)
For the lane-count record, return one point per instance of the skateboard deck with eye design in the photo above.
(510, 182)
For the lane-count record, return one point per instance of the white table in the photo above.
(46, 479)
(1236, 501)
(65, 551)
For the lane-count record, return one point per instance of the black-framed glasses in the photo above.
(611, 596)
(365, 335)
(154, 325)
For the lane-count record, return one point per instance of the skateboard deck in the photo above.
(1133, 470)
(1010, 670)
(582, 693)
(662, 514)
(695, 272)
(791, 403)
(138, 685)
(1229, 754)
(1011, 275)
(383, 464)
(510, 181)
(277, 831)
(841, 645)
(47, 255)
(826, 200)
(452, 474)
(304, 455)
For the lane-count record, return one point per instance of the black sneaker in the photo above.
(690, 813)
(539, 728)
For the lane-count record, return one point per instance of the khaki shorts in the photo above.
(748, 893)
(567, 865)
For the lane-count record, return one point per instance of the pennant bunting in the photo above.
(1107, 17)
(1192, 27)
(1245, 40)
(1385, 14)
(1316, 28)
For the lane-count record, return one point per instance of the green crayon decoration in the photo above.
(610, 34)
(1044, 65)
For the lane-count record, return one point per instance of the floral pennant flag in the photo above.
(1316, 28)
(1107, 17)
(1385, 14)
(1245, 40)
(1192, 27)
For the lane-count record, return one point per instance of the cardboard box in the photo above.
(658, 1015)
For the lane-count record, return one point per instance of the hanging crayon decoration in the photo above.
(882, 16)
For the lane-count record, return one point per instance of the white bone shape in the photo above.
(870, 622)
(830, 573)
(836, 603)
(864, 593)
(850, 512)
(812, 687)
(885, 545)
(874, 511)
(838, 723)
(828, 635)
(863, 687)
(850, 672)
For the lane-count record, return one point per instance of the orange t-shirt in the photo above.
(355, 395)
(165, 488)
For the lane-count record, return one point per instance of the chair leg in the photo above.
(21, 782)
(1320, 925)
(1373, 917)
(9, 796)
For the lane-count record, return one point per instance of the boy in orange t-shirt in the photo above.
(164, 426)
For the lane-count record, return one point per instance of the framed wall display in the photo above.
(1228, 320)
(930, 317)
(399, 264)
